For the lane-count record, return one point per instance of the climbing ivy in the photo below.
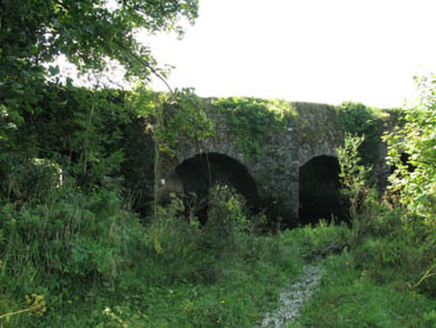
(358, 119)
(184, 116)
(171, 116)
(318, 124)
(251, 119)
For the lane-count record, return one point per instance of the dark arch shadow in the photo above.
(320, 191)
(203, 171)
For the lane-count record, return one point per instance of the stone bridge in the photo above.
(294, 176)
(280, 155)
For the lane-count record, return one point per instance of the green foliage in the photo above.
(64, 232)
(371, 214)
(349, 297)
(395, 244)
(410, 242)
(65, 249)
(318, 124)
(68, 240)
(35, 305)
(97, 266)
(399, 260)
(251, 119)
(76, 130)
(88, 33)
(358, 119)
(355, 186)
(379, 225)
(227, 219)
(353, 174)
(184, 116)
(171, 116)
(33, 180)
(377, 282)
(320, 241)
(418, 139)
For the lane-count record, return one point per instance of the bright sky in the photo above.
(304, 50)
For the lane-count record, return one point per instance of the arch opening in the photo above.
(195, 176)
(319, 191)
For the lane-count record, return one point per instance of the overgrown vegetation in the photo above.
(74, 254)
(96, 265)
(182, 115)
(358, 119)
(251, 119)
(388, 273)
(76, 247)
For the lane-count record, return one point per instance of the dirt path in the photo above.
(293, 298)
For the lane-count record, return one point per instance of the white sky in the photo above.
(304, 50)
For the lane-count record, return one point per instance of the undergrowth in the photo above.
(95, 265)
(385, 275)
(74, 254)
(350, 296)
(73, 258)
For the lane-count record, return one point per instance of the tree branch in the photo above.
(148, 66)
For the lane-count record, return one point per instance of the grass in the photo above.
(350, 296)
(95, 265)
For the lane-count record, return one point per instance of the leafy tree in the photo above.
(36, 31)
(88, 33)
(418, 139)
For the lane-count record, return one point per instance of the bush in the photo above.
(67, 248)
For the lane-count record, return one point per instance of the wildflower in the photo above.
(36, 304)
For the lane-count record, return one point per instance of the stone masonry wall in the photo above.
(309, 130)
(320, 131)
(314, 131)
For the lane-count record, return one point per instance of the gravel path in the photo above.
(293, 298)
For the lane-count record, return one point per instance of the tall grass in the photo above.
(96, 265)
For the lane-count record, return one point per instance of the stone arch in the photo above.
(197, 174)
(200, 172)
(307, 153)
(319, 190)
